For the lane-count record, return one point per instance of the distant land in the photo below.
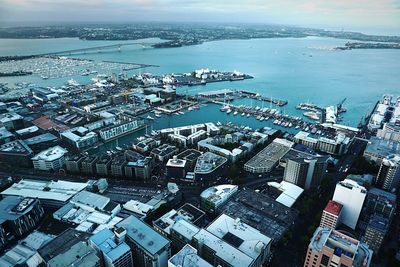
(177, 35)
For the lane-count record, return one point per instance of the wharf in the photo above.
(272, 100)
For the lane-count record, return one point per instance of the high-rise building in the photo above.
(351, 195)
(149, 248)
(378, 202)
(115, 252)
(331, 215)
(305, 172)
(332, 248)
(389, 173)
(18, 216)
(376, 231)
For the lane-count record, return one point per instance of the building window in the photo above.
(324, 260)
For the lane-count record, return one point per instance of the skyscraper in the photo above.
(351, 195)
(389, 173)
(331, 215)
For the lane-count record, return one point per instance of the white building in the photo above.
(187, 257)
(80, 137)
(351, 195)
(245, 238)
(50, 159)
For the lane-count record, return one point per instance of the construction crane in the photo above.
(340, 108)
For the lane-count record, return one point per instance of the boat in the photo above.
(311, 115)
(72, 82)
(248, 115)
(243, 114)
(235, 113)
(158, 115)
(181, 112)
(149, 117)
(119, 148)
(190, 109)
(228, 111)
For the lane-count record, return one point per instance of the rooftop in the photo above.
(333, 207)
(143, 235)
(187, 257)
(239, 235)
(54, 190)
(223, 250)
(16, 147)
(290, 192)
(219, 193)
(47, 137)
(51, 154)
(105, 241)
(208, 162)
(13, 207)
(342, 245)
(382, 147)
(260, 211)
(78, 255)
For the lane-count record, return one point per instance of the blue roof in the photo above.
(144, 235)
(104, 240)
(380, 192)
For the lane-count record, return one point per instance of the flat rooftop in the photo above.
(260, 211)
(51, 154)
(208, 162)
(13, 207)
(382, 147)
(143, 235)
(51, 190)
(240, 235)
(333, 207)
(16, 147)
(223, 250)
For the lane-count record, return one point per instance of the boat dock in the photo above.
(272, 100)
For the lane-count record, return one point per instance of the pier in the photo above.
(272, 100)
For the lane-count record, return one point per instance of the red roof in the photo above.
(333, 207)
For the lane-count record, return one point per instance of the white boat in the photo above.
(228, 111)
(235, 113)
(157, 115)
(149, 117)
(243, 114)
(248, 115)
(72, 82)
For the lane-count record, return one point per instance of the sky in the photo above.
(378, 15)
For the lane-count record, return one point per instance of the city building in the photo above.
(118, 166)
(90, 212)
(73, 164)
(140, 168)
(176, 168)
(209, 166)
(389, 173)
(164, 152)
(50, 193)
(351, 195)
(306, 172)
(80, 137)
(88, 164)
(378, 149)
(331, 215)
(25, 252)
(112, 248)
(215, 196)
(50, 159)
(216, 145)
(5, 136)
(390, 131)
(41, 142)
(120, 129)
(332, 248)
(191, 156)
(288, 193)
(80, 255)
(18, 216)
(149, 248)
(375, 232)
(182, 233)
(11, 121)
(187, 257)
(16, 151)
(243, 237)
(378, 202)
(103, 165)
(146, 145)
(261, 212)
(336, 145)
(269, 157)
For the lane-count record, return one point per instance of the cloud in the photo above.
(334, 13)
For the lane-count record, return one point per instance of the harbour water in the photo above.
(296, 70)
